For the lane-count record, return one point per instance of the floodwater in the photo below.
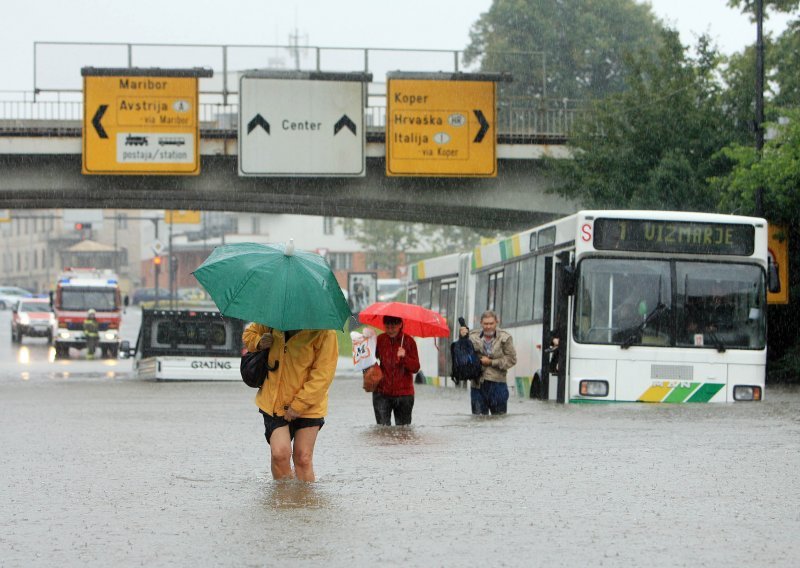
(103, 470)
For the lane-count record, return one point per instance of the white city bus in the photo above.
(647, 306)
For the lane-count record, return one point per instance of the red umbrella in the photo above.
(417, 321)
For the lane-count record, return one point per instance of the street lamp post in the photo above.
(759, 123)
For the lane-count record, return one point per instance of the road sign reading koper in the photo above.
(141, 121)
(441, 125)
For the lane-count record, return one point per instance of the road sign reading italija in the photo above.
(440, 128)
(302, 124)
(141, 121)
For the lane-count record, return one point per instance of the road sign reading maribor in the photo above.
(297, 124)
(141, 121)
(441, 124)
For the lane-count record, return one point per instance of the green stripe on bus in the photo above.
(523, 386)
(679, 394)
(706, 392)
(504, 250)
(414, 276)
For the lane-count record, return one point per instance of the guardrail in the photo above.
(21, 117)
(56, 101)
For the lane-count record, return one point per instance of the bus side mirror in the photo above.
(50, 294)
(773, 277)
(126, 301)
(125, 349)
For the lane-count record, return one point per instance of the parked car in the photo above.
(148, 295)
(33, 317)
(9, 295)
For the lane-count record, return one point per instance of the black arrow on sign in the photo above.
(484, 126)
(258, 120)
(344, 121)
(98, 116)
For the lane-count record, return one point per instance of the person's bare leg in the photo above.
(280, 447)
(303, 454)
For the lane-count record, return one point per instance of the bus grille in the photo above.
(671, 372)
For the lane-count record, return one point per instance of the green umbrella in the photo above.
(275, 285)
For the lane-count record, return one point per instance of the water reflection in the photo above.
(24, 355)
(293, 494)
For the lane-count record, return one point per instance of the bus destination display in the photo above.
(639, 235)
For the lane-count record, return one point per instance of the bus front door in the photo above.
(559, 278)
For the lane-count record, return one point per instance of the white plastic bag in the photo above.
(364, 345)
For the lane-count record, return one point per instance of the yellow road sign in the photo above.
(181, 216)
(141, 121)
(441, 128)
(779, 253)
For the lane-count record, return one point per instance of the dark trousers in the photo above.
(490, 396)
(385, 405)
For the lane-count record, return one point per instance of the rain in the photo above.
(420, 154)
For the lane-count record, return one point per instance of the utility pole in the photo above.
(759, 122)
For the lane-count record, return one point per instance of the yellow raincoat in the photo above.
(306, 365)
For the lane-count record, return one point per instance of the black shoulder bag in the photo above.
(254, 368)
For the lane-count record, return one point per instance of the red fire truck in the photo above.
(77, 291)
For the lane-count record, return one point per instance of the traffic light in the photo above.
(157, 260)
(82, 226)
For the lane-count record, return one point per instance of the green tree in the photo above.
(749, 6)
(583, 41)
(777, 171)
(655, 144)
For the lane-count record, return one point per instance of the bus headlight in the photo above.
(593, 388)
(110, 335)
(63, 334)
(746, 392)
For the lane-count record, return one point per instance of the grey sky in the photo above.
(431, 24)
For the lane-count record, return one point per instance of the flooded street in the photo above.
(106, 470)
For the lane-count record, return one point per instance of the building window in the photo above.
(255, 225)
(122, 220)
(327, 225)
(340, 260)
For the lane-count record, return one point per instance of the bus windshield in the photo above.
(670, 303)
(101, 299)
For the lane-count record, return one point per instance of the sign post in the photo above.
(294, 124)
(141, 121)
(441, 124)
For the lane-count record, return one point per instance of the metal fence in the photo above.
(56, 101)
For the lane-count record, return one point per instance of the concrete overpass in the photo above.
(40, 164)
(44, 171)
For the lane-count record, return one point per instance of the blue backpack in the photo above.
(466, 365)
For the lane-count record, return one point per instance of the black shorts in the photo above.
(272, 423)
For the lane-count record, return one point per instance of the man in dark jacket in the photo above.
(399, 360)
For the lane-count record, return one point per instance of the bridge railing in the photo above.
(21, 116)
(56, 101)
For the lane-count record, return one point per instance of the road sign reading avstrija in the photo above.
(141, 121)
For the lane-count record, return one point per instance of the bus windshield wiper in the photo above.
(639, 328)
(712, 335)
